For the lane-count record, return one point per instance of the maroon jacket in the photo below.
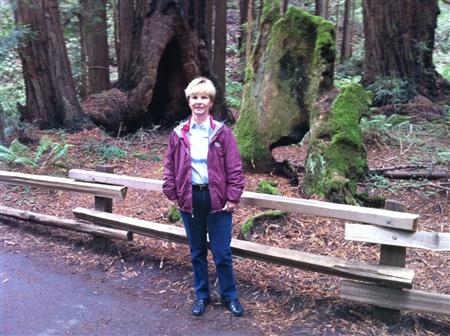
(225, 175)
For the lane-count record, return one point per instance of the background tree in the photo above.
(220, 41)
(95, 44)
(399, 42)
(126, 18)
(50, 91)
(209, 18)
(346, 43)
(322, 8)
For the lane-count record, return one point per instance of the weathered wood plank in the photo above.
(391, 256)
(395, 298)
(64, 223)
(393, 276)
(404, 221)
(436, 241)
(129, 181)
(51, 182)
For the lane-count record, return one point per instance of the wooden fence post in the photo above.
(103, 204)
(391, 256)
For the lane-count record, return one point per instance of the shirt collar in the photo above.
(206, 124)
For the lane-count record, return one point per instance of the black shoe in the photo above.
(235, 307)
(199, 306)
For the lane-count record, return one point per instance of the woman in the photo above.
(203, 175)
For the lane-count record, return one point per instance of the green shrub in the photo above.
(380, 125)
(104, 150)
(233, 94)
(391, 91)
(444, 157)
(378, 181)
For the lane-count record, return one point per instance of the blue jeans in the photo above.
(218, 226)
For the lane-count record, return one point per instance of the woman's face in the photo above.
(200, 104)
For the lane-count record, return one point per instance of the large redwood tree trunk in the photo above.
(169, 50)
(50, 91)
(399, 42)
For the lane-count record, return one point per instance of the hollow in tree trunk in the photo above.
(169, 50)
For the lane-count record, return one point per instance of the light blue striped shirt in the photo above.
(199, 139)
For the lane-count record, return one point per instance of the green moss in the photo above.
(282, 80)
(174, 214)
(337, 156)
(250, 223)
(370, 201)
(267, 187)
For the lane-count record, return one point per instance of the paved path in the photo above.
(37, 298)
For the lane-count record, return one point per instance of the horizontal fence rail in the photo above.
(65, 223)
(387, 275)
(394, 298)
(435, 241)
(392, 219)
(61, 183)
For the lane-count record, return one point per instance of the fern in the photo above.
(44, 145)
(25, 161)
(17, 153)
(18, 148)
(59, 151)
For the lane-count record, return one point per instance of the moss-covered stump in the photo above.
(337, 157)
(292, 63)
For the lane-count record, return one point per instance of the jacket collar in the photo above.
(183, 128)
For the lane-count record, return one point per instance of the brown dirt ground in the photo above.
(279, 300)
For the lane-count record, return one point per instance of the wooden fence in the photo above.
(386, 285)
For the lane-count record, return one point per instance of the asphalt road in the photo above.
(38, 298)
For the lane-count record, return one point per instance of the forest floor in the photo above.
(278, 300)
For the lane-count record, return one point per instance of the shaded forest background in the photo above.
(403, 131)
(84, 50)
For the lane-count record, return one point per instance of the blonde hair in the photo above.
(200, 85)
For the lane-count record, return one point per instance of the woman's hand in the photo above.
(229, 206)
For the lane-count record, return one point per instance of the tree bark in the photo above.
(243, 7)
(320, 8)
(346, 43)
(209, 28)
(95, 44)
(399, 42)
(220, 42)
(283, 7)
(126, 14)
(50, 91)
(83, 88)
(249, 39)
(169, 50)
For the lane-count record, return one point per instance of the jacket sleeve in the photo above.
(235, 174)
(169, 185)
